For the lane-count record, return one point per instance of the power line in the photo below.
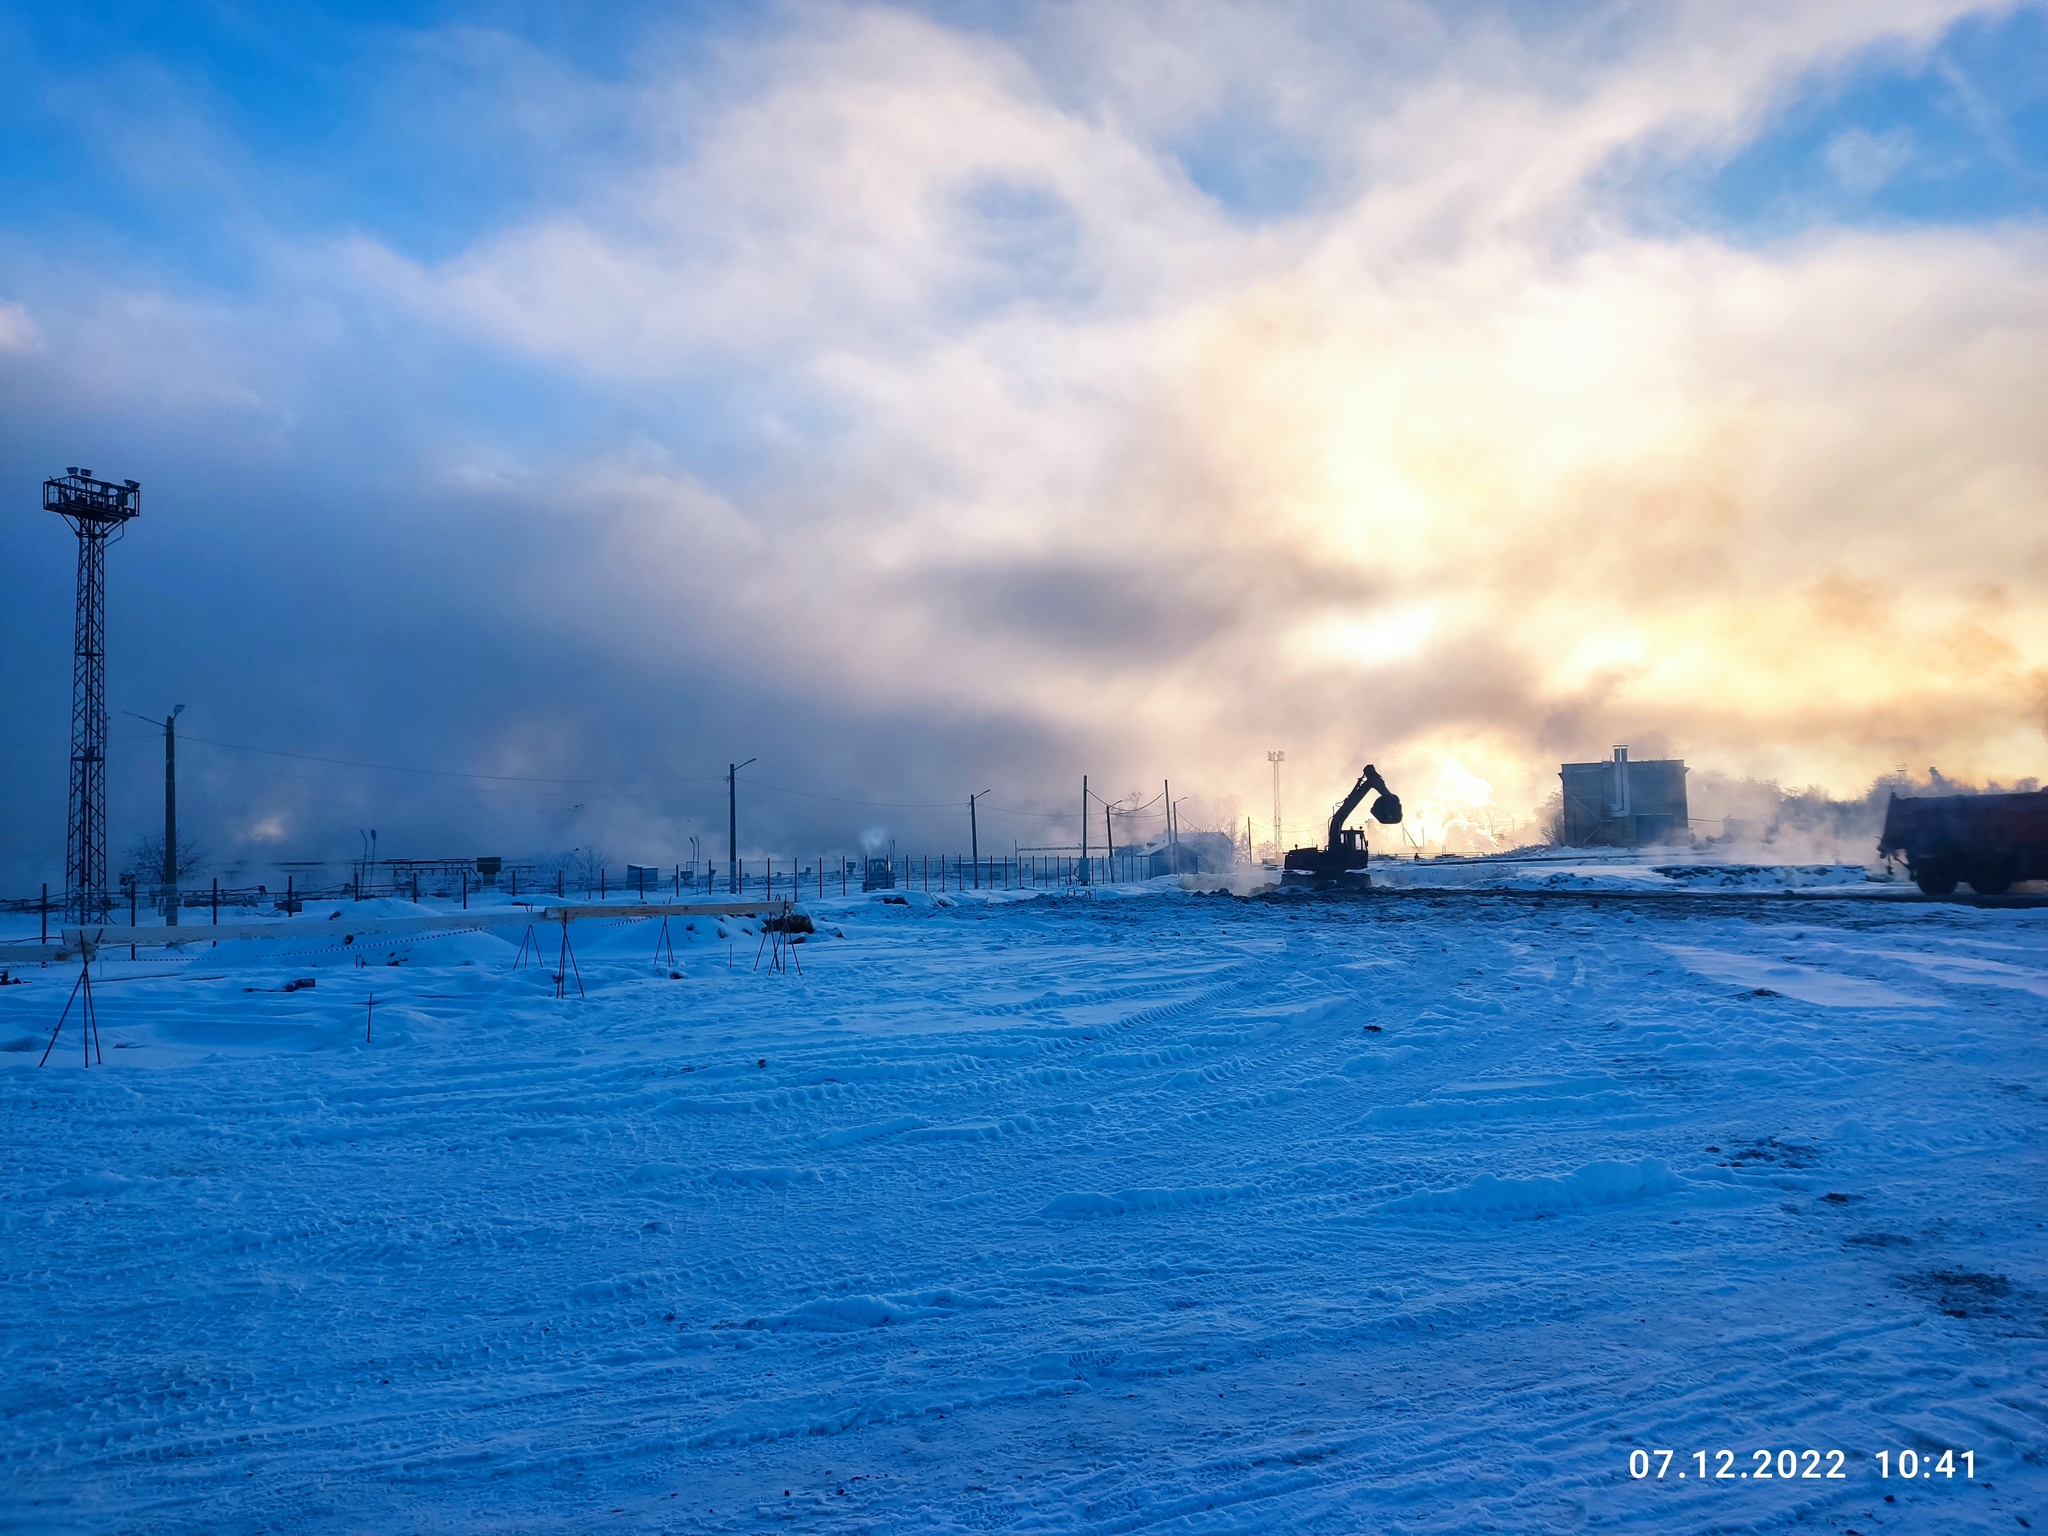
(442, 773)
(510, 778)
(903, 805)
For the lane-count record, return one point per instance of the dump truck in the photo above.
(1988, 840)
(1340, 864)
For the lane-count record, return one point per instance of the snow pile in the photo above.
(1766, 877)
(1587, 870)
(842, 1313)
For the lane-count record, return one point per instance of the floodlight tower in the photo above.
(98, 511)
(1276, 759)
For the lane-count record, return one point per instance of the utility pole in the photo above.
(1084, 827)
(1276, 759)
(171, 817)
(1172, 844)
(732, 825)
(974, 837)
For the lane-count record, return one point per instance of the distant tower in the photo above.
(98, 511)
(1276, 759)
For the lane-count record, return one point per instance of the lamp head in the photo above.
(177, 712)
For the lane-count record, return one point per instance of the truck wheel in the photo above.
(1990, 880)
(1935, 879)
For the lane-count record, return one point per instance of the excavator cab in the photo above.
(1340, 863)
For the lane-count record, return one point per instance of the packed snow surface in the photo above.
(1119, 1211)
(1630, 870)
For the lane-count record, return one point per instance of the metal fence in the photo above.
(769, 879)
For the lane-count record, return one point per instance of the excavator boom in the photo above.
(1386, 809)
(1340, 862)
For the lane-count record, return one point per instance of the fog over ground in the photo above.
(923, 401)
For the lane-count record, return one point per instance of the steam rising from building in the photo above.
(912, 404)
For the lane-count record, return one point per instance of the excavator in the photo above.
(1341, 864)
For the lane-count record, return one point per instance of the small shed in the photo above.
(1621, 803)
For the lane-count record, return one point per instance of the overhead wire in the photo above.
(1115, 808)
(443, 773)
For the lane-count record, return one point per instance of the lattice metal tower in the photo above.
(98, 511)
(1276, 759)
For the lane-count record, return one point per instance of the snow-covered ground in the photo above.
(1661, 869)
(1140, 1210)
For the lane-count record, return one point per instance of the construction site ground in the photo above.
(1121, 1209)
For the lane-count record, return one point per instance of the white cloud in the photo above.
(18, 331)
(1449, 464)
(1452, 417)
(1862, 161)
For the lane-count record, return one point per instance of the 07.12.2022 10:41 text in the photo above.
(1799, 1466)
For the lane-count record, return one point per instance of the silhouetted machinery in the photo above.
(1988, 840)
(1341, 864)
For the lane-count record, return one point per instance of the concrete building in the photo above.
(1191, 853)
(1623, 804)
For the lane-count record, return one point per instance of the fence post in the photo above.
(216, 901)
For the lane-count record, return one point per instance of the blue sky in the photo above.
(1048, 385)
(1955, 135)
(159, 135)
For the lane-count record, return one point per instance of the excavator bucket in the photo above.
(1387, 810)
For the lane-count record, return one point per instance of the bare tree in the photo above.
(578, 867)
(146, 858)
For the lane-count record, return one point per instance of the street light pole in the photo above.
(171, 817)
(732, 825)
(1086, 872)
(974, 837)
